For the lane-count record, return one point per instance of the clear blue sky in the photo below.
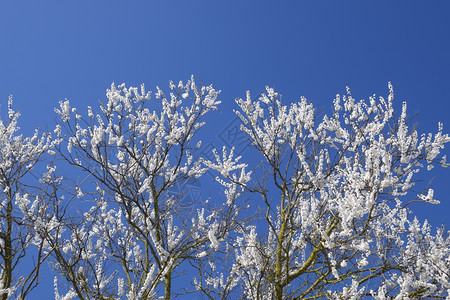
(51, 50)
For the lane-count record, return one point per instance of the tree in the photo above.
(335, 194)
(325, 214)
(135, 236)
(21, 217)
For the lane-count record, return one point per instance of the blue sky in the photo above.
(51, 50)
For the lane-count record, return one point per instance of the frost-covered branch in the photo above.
(136, 150)
(19, 237)
(334, 190)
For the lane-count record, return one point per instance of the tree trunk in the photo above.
(168, 284)
(279, 251)
(7, 272)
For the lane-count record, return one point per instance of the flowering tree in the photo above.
(22, 208)
(335, 195)
(133, 152)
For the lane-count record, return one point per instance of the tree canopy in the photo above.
(324, 213)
